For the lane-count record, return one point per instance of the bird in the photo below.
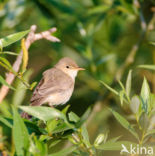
(56, 86)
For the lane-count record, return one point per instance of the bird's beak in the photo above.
(80, 68)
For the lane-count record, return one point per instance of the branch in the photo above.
(32, 37)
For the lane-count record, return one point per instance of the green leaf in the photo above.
(121, 94)
(5, 108)
(145, 95)
(144, 121)
(25, 55)
(99, 9)
(128, 83)
(20, 134)
(127, 6)
(152, 102)
(153, 43)
(1, 46)
(9, 53)
(33, 85)
(99, 139)
(6, 62)
(147, 66)
(51, 125)
(150, 132)
(54, 143)
(64, 152)
(43, 113)
(114, 139)
(19, 94)
(32, 127)
(134, 104)
(121, 84)
(114, 146)
(13, 38)
(65, 109)
(125, 123)
(111, 89)
(38, 147)
(61, 128)
(5, 121)
(73, 117)
(5, 83)
(85, 136)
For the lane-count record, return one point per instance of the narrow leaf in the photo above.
(99, 139)
(111, 89)
(121, 84)
(153, 43)
(125, 123)
(128, 83)
(65, 109)
(5, 61)
(61, 128)
(134, 104)
(20, 134)
(121, 97)
(8, 52)
(64, 152)
(2, 80)
(25, 55)
(150, 132)
(145, 95)
(54, 143)
(114, 139)
(43, 113)
(6, 64)
(33, 85)
(144, 121)
(13, 38)
(21, 89)
(85, 135)
(73, 117)
(98, 9)
(5, 121)
(151, 67)
(114, 146)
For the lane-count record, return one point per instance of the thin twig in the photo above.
(32, 37)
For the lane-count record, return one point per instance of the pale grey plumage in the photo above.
(57, 84)
(54, 83)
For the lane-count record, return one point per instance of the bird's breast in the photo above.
(60, 97)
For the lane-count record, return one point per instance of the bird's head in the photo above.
(68, 66)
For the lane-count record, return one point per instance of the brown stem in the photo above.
(32, 37)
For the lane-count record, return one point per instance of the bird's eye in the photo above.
(67, 66)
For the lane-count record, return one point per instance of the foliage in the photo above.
(114, 40)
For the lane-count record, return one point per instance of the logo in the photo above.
(137, 150)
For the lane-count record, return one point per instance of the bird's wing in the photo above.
(53, 80)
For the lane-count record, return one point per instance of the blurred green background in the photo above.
(106, 37)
